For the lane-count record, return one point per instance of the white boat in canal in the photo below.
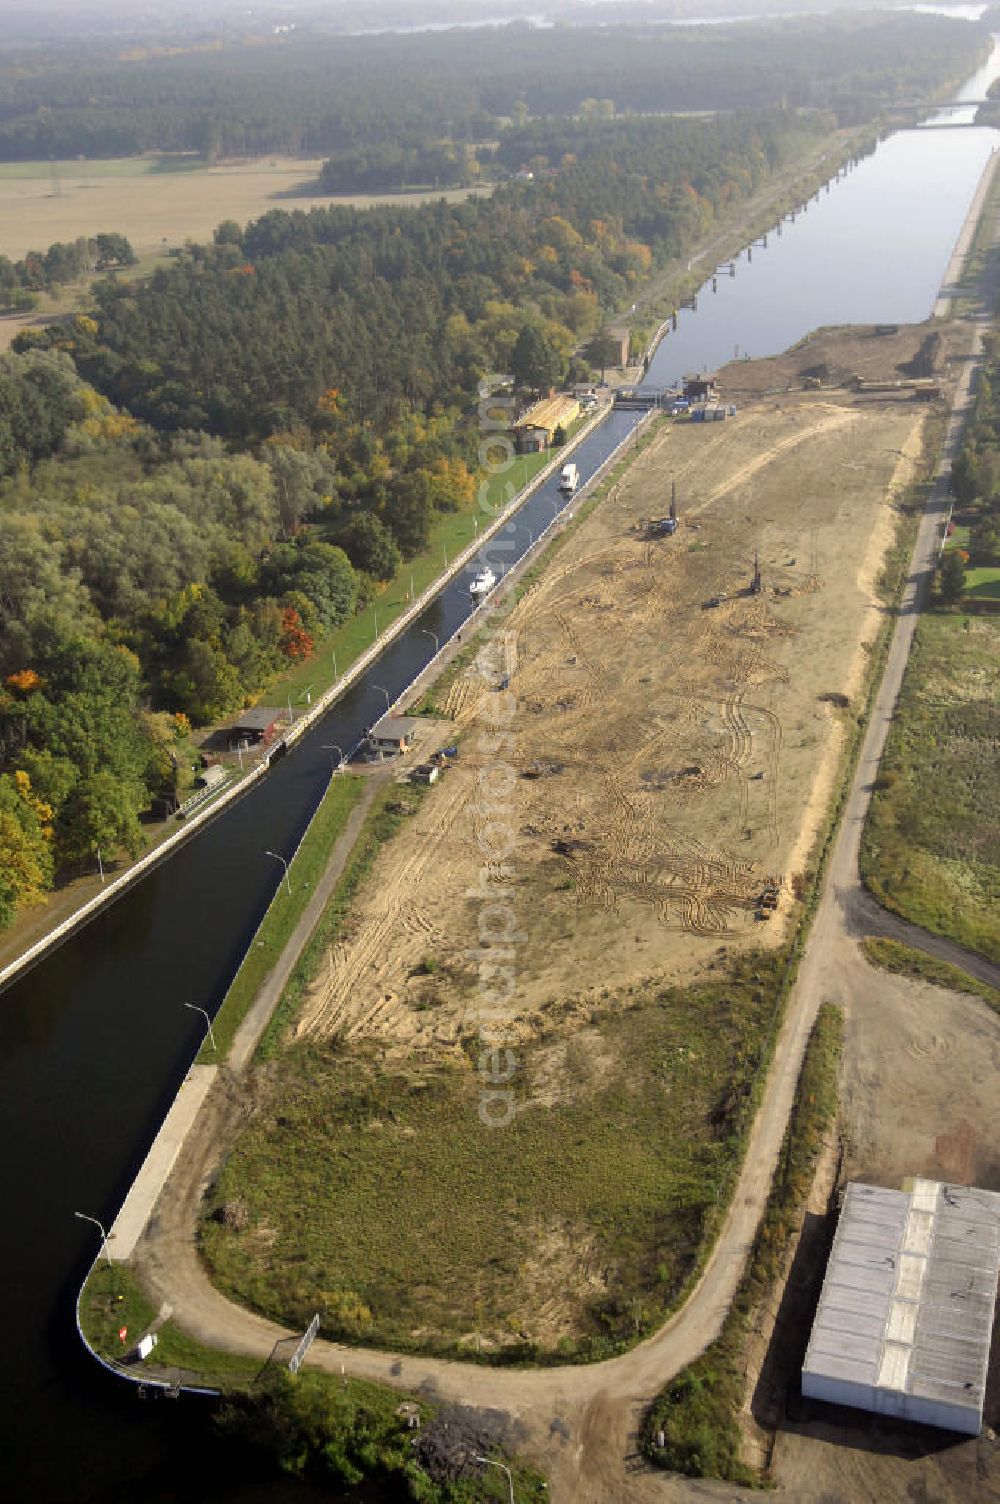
(483, 582)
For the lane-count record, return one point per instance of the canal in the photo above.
(95, 1040)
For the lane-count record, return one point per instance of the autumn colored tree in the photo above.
(295, 641)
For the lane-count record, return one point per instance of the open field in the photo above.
(524, 1244)
(666, 759)
(983, 583)
(159, 202)
(933, 833)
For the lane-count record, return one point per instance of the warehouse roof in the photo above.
(549, 413)
(396, 727)
(258, 718)
(906, 1311)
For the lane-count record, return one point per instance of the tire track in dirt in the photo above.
(329, 1011)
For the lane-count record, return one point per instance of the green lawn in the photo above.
(931, 848)
(113, 1298)
(286, 909)
(983, 583)
(375, 1193)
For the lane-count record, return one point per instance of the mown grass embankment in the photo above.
(697, 1414)
(931, 846)
(286, 909)
(389, 808)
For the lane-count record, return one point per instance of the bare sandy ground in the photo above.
(161, 209)
(666, 757)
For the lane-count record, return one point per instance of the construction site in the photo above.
(682, 671)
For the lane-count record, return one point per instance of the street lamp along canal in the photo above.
(492, 1462)
(208, 1023)
(279, 858)
(332, 747)
(100, 1227)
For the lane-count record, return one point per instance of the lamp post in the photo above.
(492, 1462)
(208, 1022)
(388, 702)
(335, 674)
(100, 864)
(375, 619)
(307, 693)
(100, 1228)
(332, 747)
(281, 859)
(434, 637)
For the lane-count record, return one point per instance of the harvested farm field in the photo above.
(675, 738)
(160, 201)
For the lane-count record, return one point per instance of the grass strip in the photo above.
(390, 807)
(696, 1414)
(305, 870)
(932, 833)
(113, 1299)
(905, 961)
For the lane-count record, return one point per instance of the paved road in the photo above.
(581, 1421)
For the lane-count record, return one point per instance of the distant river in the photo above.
(94, 1042)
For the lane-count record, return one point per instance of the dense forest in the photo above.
(306, 92)
(212, 469)
(404, 309)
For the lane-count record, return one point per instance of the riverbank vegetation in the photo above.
(330, 1429)
(693, 1425)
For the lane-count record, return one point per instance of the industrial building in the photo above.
(535, 429)
(256, 727)
(392, 735)
(905, 1316)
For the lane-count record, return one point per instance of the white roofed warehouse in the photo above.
(905, 1316)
